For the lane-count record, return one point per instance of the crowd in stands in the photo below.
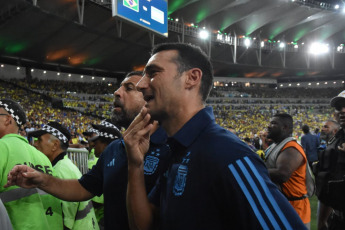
(266, 92)
(65, 86)
(40, 111)
(247, 116)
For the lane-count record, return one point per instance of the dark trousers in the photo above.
(336, 222)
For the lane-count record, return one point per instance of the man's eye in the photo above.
(152, 74)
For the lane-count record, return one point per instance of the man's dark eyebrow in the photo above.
(128, 84)
(151, 67)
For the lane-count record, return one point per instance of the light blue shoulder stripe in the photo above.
(249, 197)
(258, 194)
(269, 194)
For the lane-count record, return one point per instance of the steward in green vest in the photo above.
(27, 208)
(53, 141)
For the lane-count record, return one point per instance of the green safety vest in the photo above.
(77, 215)
(92, 160)
(27, 208)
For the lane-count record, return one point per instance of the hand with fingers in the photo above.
(342, 147)
(24, 176)
(137, 138)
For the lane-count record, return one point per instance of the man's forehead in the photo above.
(134, 79)
(165, 55)
(327, 123)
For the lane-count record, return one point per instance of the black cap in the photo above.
(90, 131)
(106, 132)
(56, 129)
(338, 101)
(15, 110)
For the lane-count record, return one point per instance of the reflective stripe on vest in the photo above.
(19, 193)
(81, 214)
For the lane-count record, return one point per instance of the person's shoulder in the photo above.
(65, 168)
(218, 136)
(222, 145)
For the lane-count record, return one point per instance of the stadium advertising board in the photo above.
(150, 14)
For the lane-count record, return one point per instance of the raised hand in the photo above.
(137, 138)
(342, 147)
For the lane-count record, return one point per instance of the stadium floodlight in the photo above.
(18, 68)
(309, 83)
(289, 84)
(336, 7)
(281, 85)
(32, 70)
(318, 48)
(93, 78)
(247, 42)
(204, 34)
(2, 65)
(69, 75)
(44, 72)
(81, 76)
(58, 73)
(318, 83)
(298, 84)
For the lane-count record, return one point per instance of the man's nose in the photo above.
(143, 83)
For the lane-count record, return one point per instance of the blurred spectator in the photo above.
(310, 145)
(249, 143)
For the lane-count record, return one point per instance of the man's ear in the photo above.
(56, 145)
(193, 78)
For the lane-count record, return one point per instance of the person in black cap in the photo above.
(15, 150)
(99, 137)
(330, 183)
(91, 159)
(104, 136)
(53, 141)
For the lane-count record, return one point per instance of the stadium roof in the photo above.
(52, 35)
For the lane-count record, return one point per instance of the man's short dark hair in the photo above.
(191, 56)
(286, 119)
(305, 129)
(133, 73)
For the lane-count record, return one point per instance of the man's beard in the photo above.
(325, 136)
(121, 119)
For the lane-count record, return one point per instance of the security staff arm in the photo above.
(288, 161)
(26, 177)
(140, 211)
